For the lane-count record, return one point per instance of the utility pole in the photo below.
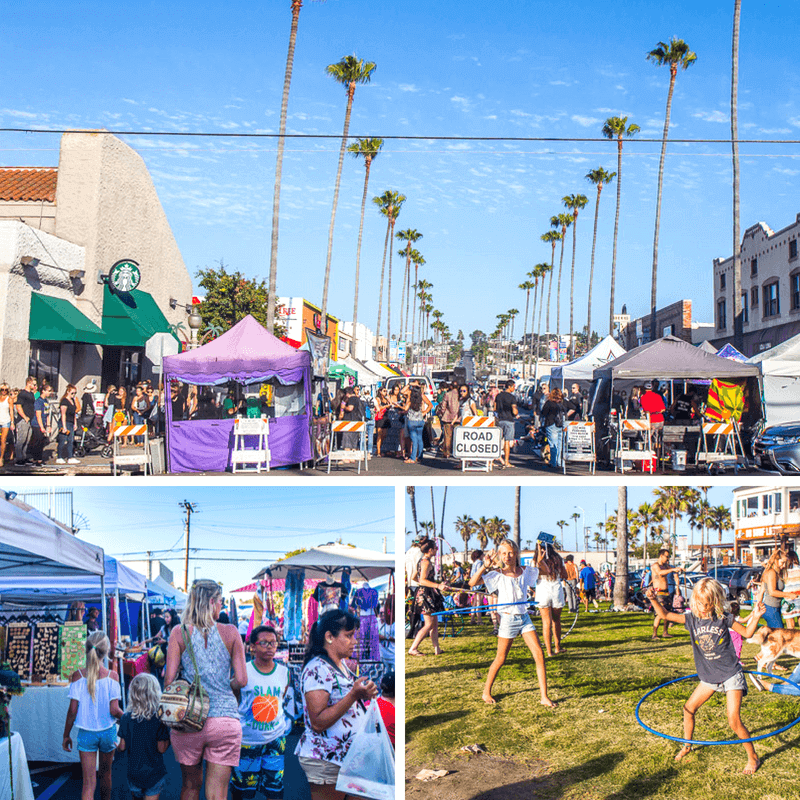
(149, 565)
(189, 508)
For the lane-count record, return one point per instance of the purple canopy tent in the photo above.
(247, 353)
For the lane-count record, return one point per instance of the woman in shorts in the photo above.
(550, 594)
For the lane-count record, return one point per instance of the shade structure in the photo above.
(780, 367)
(53, 319)
(31, 544)
(583, 368)
(160, 591)
(248, 353)
(327, 559)
(729, 351)
(672, 358)
(131, 318)
(707, 347)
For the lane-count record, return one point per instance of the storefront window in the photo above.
(794, 501)
(44, 363)
(130, 367)
(752, 506)
(767, 503)
(741, 509)
(778, 501)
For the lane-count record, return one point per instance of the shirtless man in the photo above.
(659, 571)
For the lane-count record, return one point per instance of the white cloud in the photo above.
(407, 87)
(774, 130)
(462, 101)
(515, 112)
(561, 83)
(712, 116)
(11, 112)
(585, 122)
(786, 171)
(459, 146)
(128, 100)
(491, 116)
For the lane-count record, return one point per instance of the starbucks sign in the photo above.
(125, 275)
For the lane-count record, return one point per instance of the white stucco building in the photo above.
(765, 517)
(770, 288)
(61, 232)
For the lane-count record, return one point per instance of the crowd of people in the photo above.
(251, 707)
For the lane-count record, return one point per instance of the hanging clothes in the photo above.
(329, 596)
(293, 606)
(312, 614)
(345, 589)
(365, 601)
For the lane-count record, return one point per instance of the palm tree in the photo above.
(675, 54)
(721, 515)
(563, 221)
(575, 517)
(276, 194)
(465, 527)
(412, 494)
(349, 72)
(389, 204)
(421, 287)
(616, 128)
(418, 261)
(551, 237)
(367, 149)
(500, 529)
(409, 236)
(621, 582)
(526, 287)
(562, 523)
(649, 517)
(576, 202)
(543, 269)
(738, 321)
(672, 502)
(599, 177)
(481, 532)
(512, 314)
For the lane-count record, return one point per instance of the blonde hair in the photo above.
(709, 592)
(198, 607)
(514, 550)
(97, 647)
(144, 696)
(772, 563)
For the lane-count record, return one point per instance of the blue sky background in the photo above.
(455, 67)
(540, 508)
(275, 520)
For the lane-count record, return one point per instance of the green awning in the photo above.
(341, 370)
(131, 318)
(53, 319)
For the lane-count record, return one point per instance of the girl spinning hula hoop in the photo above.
(715, 658)
(511, 582)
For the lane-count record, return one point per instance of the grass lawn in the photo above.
(591, 745)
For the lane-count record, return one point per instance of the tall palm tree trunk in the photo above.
(380, 294)
(351, 90)
(532, 353)
(539, 326)
(591, 269)
(550, 286)
(572, 291)
(389, 289)
(276, 194)
(738, 316)
(558, 298)
(673, 71)
(403, 292)
(616, 233)
(414, 314)
(525, 332)
(367, 165)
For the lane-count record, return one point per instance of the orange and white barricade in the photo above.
(360, 454)
(578, 443)
(259, 456)
(477, 422)
(643, 435)
(720, 444)
(142, 458)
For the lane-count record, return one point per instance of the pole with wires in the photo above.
(189, 508)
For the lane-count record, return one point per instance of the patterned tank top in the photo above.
(214, 664)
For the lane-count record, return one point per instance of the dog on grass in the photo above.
(774, 642)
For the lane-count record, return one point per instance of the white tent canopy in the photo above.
(160, 591)
(327, 559)
(366, 377)
(381, 371)
(582, 369)
(32, 544)
(780, 368)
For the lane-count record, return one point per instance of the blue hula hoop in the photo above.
(727, 741)
(473, 609)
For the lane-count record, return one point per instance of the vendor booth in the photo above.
(34, 547)
(263, 378)
(689, 372)
(780, 368)
(582, 369)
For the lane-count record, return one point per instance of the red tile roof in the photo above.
(28, 184)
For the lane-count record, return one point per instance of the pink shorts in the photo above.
(218, 743)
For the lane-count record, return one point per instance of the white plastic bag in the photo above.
(368, 768)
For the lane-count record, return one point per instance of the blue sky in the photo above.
(270, 519)
(451, 68)
(540, 508)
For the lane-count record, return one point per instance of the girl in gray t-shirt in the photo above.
(715, 659)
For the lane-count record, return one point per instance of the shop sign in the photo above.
(125, 275)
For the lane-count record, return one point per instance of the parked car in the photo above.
(737, 585)
(724, 574)
(778, 448)
(635, 580)
(687, 582)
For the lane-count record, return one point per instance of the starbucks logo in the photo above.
(125, 276)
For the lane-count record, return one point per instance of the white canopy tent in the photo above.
(366, 376)
(161, 592)
(327, 559)
(381, 371)
(780, 368)
(582, 369)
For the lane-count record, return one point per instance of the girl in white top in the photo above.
(94, 708)
(550, 594)
(511, 582)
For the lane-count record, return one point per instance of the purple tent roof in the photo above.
(247, 353)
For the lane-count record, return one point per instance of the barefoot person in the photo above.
(550, 594)
(715, 658)
(428, 600)
(659, 570)
(511, 582)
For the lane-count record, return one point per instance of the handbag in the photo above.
(381, 412)
(367, 769)
(184, 706)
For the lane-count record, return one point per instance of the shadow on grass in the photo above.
(644, 786)
(556, 784)
(423, 721)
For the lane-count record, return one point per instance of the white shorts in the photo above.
(549, 594)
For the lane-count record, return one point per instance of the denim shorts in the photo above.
(159, 787)
(734, 683)
(92, 741)
(507, 427)
(772, 617)
(512, 625)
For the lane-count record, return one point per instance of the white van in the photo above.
(404, 380)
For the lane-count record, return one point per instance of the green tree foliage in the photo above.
(230, 297)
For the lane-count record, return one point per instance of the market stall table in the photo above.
(38, 716)
(23, 790)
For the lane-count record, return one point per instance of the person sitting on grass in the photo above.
(715, 658)
(511, 582)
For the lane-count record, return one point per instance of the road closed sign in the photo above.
(477, 444)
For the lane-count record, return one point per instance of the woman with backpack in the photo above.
(553, 415)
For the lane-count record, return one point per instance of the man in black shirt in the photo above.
(575, 407)
(506, 412)
(25, 412)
